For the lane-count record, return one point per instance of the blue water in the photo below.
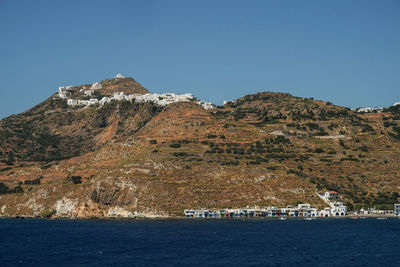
(258, 242)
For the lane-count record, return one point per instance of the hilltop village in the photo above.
(159, 99)
(372, 110)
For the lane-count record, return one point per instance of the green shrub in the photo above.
(47, 213)
(75, 179)
(33, 182)
(232, 162)
(272, 168)
(312, 126)
(17, 189)
(5, 169)
(175, 145)
(180, 154)
(4, 189)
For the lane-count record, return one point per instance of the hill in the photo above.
(135, 158)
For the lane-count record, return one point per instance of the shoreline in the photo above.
(352, 217)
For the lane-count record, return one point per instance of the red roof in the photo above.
(332, 192)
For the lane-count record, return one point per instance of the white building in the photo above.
(396, 104)
(72, 102)
(93, 101)
(206, 105)
(88, 92)
(119, 96)
(331, 196)
(104, 100)
(96, 86)
(119, 76)
(397, 209)
(62, 95)
(337, 209)
(326, 212)
(63, 90)
(369, 110)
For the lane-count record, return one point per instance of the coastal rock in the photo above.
(103, 196)
(88, 210)
(65, 207)
(119, 212)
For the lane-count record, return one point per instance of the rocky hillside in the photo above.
(134, 159)
(54, 131)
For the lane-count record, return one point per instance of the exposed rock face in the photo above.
(103, 196)
(118, 212)
(88, 210)
(66, 207)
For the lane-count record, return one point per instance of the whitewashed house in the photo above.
(62, 92)
(72, 102)
(93, 101)
(62, 95)
(326, 212)
(104, 100)
(369, 110)
(397, 209)
(88, 92)
(337, 209)
(96, 86)
(119, 76)
(331, 196)
(119, 96)
(206, 105)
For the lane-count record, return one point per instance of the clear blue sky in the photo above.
(346, 52)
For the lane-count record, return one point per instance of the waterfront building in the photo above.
(302, 210)
(326, 212)
(397, 209)
(189, 213)
(338, 209)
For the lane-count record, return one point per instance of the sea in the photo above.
(200, 242)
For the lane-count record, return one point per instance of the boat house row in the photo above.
(302, 210)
